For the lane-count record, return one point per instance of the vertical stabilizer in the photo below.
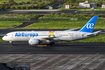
(90, 25)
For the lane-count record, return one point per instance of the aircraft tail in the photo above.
(90, 25)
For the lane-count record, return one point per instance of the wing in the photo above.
(72, 29)
(49, 38)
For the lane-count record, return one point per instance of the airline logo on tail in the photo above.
(90, 25)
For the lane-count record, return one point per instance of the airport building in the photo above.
(86, 4)
(67, 6)
(103, 5)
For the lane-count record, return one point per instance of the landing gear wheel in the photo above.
(11, 42)
(51, 44)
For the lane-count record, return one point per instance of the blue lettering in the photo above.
(22, 34)
(31, 35)
(26, 34)
(17, 35)
(36, 34)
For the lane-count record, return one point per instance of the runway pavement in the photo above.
(39, 12)
(46, 12)
(59, 48)
(55, 61)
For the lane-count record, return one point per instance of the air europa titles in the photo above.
(26, 34)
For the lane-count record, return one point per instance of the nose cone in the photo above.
(3, 38)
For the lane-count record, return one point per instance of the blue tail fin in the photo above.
(90, 25)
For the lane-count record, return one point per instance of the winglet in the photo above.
(90, 25)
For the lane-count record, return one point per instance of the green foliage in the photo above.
(71, 2)
(17, 17)
(22, 7)
(7, 7)
(28, 2)
(96, 39)
(35, 2)
(32, 6)
(0, 2)
(72, 15)
(16, 7)
(1, 7)
(11, 0)
(9, 24)
(21, 4)
(65, 23)
(11, 7)
(27, 7)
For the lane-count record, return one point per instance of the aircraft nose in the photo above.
(3, 38)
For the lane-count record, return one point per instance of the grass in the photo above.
(78, 9)
(9, 24)
(100, 10)
(64, 24)
(82, 9)
(99, 38)
(54, 24)
(1, 40)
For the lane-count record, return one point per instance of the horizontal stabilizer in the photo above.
(97, 32)
(92, 34)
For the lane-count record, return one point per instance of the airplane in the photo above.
(50, 37)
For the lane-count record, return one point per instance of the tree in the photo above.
(11, 7)
(27, 7)
(39, 0)
(21, 7)
(75, 4)
(4, 3)
(9, 3)
(16, 7)
(32, 6)
(11, 0)
(34, 0)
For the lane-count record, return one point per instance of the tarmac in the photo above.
(57, 61)
(46, 12)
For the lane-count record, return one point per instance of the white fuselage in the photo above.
(56, 35)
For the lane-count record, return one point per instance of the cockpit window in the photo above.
(6, 35)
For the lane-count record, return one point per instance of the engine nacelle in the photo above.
(33, 41)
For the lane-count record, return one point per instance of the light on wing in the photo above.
(33, 41)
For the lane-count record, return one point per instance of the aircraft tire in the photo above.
(11, 42)
(52, 44)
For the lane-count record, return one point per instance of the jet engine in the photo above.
(34, 41)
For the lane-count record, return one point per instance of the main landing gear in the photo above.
(11, 42)
(51, 44)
